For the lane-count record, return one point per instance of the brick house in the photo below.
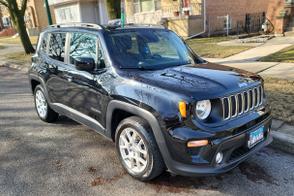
(89, 11)
(187, 17)
(281, 14)
(35, 17)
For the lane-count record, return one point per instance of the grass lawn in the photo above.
(208, 47)
(286, 55)
(19, 57)
(11, 40)
(280, 94)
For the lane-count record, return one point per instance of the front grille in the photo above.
(237, 104)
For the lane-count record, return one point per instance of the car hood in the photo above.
(199, 80)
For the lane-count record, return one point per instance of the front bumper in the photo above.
(201, 161)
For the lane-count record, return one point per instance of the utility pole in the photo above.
(122, 13)
(48, 12)
(228, 24)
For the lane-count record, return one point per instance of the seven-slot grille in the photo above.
(242, 102)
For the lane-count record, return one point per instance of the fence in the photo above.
(236, 24)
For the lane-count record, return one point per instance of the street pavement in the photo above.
(66, 158)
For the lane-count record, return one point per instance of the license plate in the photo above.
(255, 137)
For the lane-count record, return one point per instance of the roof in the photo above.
(103, 27)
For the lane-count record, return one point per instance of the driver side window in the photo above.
(83, 45)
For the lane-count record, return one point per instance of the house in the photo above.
(191, 17)
(184, 17)
(35, 17)
(62, 11)
(281, 15)
(88, 11)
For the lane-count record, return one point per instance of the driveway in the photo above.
(66, 158)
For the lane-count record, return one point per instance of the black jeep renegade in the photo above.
(144, 88)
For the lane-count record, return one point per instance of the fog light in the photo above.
(219, 157)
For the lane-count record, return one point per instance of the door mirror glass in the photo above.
(84, 63)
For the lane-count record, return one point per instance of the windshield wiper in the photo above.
(139, 68)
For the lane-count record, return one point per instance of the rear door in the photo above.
(56, 67)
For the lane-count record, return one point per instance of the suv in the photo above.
(145, 89)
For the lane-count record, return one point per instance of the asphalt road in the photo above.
(66, 158)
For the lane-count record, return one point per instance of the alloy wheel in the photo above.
(133, 151)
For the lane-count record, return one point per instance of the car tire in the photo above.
(42, 107)
(137, 148)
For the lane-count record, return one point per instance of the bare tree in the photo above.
(16, 9)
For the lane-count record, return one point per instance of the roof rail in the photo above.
(77, 24)
(115, 26)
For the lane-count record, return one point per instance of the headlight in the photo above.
(203, 109)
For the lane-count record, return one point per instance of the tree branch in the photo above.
(2, 2)
(23, 6)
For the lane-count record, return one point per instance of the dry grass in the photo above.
(11, 40)
(19, 57)
(281, 97)
(208, 47)
(286, 55)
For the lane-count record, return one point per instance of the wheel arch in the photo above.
(37, 80)
(119, 110)
(144, 114)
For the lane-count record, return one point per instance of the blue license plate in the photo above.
(255, 137)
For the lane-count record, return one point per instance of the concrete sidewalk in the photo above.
(247, 60)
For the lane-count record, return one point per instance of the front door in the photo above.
(84, 92)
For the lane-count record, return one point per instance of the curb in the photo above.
(283, 142)
(21, 67)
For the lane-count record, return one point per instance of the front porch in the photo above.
(185, 17)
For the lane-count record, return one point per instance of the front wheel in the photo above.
(138, 150)
(43, 109)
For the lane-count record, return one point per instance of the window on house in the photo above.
(146, 5)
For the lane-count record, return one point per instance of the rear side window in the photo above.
(83, 46)
(57, 46)
(44, 43)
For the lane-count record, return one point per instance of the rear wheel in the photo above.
(43, 109)
(138, 150)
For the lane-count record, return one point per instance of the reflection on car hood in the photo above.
(199, 79)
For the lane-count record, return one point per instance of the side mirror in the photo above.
(84, 63)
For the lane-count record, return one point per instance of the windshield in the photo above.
(147, 49)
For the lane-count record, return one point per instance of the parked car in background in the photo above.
(145, 89)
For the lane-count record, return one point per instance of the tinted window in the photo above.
(44, 42)
(83, 46)
(57, 45)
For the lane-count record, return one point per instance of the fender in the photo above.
(42, 82)
(152, 121)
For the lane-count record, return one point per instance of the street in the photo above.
(66, 158)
